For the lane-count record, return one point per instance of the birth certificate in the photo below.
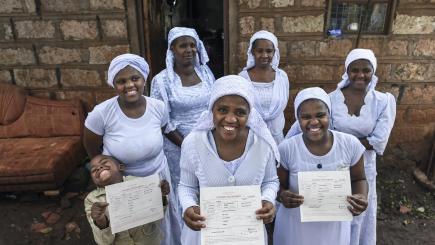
(230, 215)
(325, 194)
(134, 202)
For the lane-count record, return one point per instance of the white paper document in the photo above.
(134, 202)
(325, 194)
(230, 215)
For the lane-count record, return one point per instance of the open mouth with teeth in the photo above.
(229, 128)
(131, 93)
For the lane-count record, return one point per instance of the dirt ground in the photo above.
(406, 212)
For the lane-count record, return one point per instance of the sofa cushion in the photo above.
(12, 100)
(38, 160)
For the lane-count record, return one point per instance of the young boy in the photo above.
(105, 170)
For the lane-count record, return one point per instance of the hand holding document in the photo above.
(230, 215)
(325, 195)
(135, 202)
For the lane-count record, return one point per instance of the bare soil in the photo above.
(406, 212)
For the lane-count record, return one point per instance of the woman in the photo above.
(271, 83)
(184, 86)
(230, 146)
(129, 126)
(360, 110)
(317, 148)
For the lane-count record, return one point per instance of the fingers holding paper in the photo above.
(290, 199)
(266, 213)
(193, 219)
(358, 204)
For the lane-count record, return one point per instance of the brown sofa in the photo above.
(40, 140)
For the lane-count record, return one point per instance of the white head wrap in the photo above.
(201, 55)
(359, 54)
(123, 60)
(303, 95)
(263, 35)
(237, 85)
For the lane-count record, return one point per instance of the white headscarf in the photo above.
(237, 85)
(263, 35)
(303, 95)
(358, 54)
(123, 60)
(201, 55)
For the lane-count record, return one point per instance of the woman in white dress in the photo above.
(317, 148)
(184, 86)
(271, 83)
(360, 110)
(230, 146)
(129, 127)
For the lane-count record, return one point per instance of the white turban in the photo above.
(123, 60)
(263, 35)
(237, 85)
(303, 95)
(358, 54)
(201, 55)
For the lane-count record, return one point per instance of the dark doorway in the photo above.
(205, 16)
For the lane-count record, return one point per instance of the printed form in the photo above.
(325, 194)
(230, 215)
(135, 202)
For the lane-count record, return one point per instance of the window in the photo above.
(347, 17)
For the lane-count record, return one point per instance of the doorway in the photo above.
(205, 16)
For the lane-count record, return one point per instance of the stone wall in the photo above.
(406, 59)
(61, 49)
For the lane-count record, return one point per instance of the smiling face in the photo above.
(105, 171)
(129, 84)
(360, 73)
(313, 117)
(184, 49)
(263, 51)
(230, 115)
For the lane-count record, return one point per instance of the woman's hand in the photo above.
(266, 213)
(290, 199)
(164, 186)
(193, 219)
(98, 214)
(358, 204)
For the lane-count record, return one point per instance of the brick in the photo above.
(317, 73)
(86, 97)
(21, 56)
(243, 49)
(303, 24)
(425, 47)
(246, 25)
(35, 29)
(55, 55)
(5, 76)
(335, 48)
(282, 46)
(302, 48)
(101, 96)
(383, 72)
(78, 30)
(35, 78)
(114, 29)
(14, 6)
(390, 88)
(370, 43)
(405, 24)
(313, 3)
(292, 72)
(410, 71)
(250, 3)
(6, 31)
(398, 48)
(79, 78)
(107, 4)
(282, 3)
(105, 54)
(267, 24)
(64, 6)
(418, 95)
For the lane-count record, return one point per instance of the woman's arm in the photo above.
(92, 142)
(174, 136)
(366, 143)
(286, 197)
(358, 200)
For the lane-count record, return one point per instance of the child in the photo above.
(105, 171)
(317, 148)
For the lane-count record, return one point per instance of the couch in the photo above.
(40, 140)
